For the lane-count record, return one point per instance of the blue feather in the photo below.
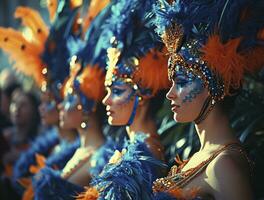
(201, 18)
(132, 177)
(48, 184)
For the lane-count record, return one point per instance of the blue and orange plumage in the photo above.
(129, 175)
(229, 30)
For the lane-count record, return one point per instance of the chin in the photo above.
(113, 122)
(178, 118)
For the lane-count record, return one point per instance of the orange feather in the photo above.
(28, 193)
(95, 7)
(52, 8)
(24, 54)
(32, 19)
(152, 71)
(89, 194)
(92, 82)
(225, 60)
(231, 65)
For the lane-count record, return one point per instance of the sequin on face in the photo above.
(49, 106)
(186, 80)
(70, 102)
(121, 93)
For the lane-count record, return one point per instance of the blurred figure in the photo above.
(8, 84)
(25, 118)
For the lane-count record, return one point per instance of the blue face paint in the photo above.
(197, 89)
(184, 80)
(121, 93)
(49, 106)
(70, 102)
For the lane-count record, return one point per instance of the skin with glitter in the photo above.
(184, 90)
(119, 102)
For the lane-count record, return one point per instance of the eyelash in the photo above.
(118, 91)
(182, 82)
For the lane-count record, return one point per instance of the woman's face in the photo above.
(187, 95)
(119, 102)
(48, 110)
(71, 115)
(21, 109)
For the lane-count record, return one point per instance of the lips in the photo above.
(174, 107)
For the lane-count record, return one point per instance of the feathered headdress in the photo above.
(134, 52)
(26, 52)
(43, 55)
(87, 83)
(87, 69)
(218, 40)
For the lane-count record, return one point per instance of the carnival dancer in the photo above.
(210, 52)
(136, 75)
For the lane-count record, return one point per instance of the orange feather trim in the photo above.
(34, 169)
(89, 194)
(153, 72)
(40, 164)
(28, 193)
(92, 82)
(25, 55)
(231, 65)
(24, 182)
(75, 3)
(224, 59)
(74, 70)
(52, 8)
(95, 7)
(32, 19)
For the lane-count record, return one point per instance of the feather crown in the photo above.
(133, 50)
(219, 40)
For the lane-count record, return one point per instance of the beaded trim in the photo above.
(178, 179)
(173, 40)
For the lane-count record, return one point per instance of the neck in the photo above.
(68, 135)
(22, 131)
(142, 123)
(214, 130)
(92, 135)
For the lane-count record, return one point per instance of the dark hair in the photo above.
(36, 116)
(8, 90)
(228, 103)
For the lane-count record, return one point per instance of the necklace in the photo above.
(178, 178)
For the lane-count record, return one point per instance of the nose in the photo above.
(171, 95)
(106, 101)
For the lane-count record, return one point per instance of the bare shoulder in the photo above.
(229, 177)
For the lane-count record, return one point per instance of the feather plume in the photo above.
(152, 71)
(52, 7)
(92, 82)
(94, 8)
(24, 54)
(32, 20)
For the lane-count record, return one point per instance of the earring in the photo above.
(84, 123)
